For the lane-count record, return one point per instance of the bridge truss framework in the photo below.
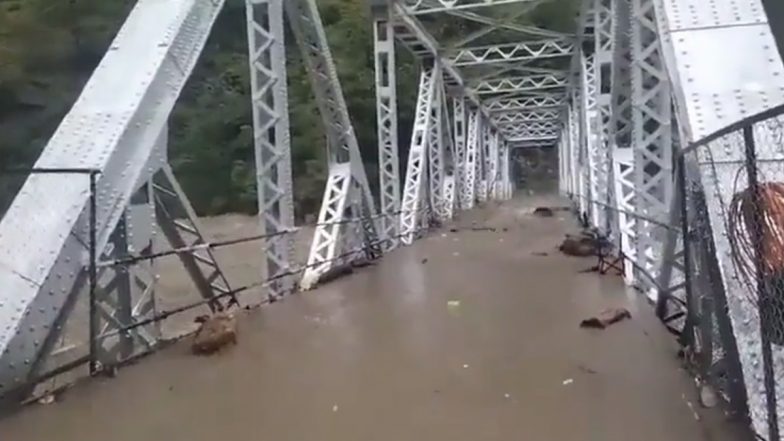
(639, 82)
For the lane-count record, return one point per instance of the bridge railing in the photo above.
(732, 207)
(93, 340)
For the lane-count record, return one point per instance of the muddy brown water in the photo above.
(481, 342)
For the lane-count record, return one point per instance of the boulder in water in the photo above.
(215, 332)
(579, 246)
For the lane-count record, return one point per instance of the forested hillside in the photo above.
(48, 48)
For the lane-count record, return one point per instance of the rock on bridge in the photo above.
(465, 335)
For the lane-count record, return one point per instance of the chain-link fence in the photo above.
(733, 210)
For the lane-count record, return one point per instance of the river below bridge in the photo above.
(466, 335)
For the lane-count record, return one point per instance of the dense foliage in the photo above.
(48, 48)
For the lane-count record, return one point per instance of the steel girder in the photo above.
(620, 132)
(520, 84)
(415, 7)
(410, 32)
(344, 193)
(710, 94)
(603, 44)
(592, 148)
(623, 172)
(468, 193)
(669, 54)
(506, 24)
(527, 117)
(460, 132)
(651, 138)
(524, 132)
(435, 150)
(512, 52)
(549, 125)
(271, 140)
(112, 130)
(386, 116)
(414, 201)
(541, 102)
(481, 166)
(449, 158)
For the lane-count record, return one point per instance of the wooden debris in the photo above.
(606, 318)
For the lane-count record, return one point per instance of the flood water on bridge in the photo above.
(467, 335)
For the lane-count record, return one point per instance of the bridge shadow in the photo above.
(469, 334)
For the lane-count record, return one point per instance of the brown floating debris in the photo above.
(580, 246)
(543, 212)
(606, 318)
(215, 332)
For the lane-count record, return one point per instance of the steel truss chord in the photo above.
(481, 162)
(623, 172)
(342, 149)
(532, 126)
(492, 165)
(414, 200)
(523, 131)
(435, 149)
(708, 99)
(450, 168)
(579, 101)
(620, 133)
(460, 129)
(574, 152)
(589, 124)
(512, 52)
(603, 41)
(651, 138)
(506, 185)
(178, 222)
(386, 116)
(543, 102)
(115, 139)
(520, 84)
(415, 7)
(529, 116)
(269, 99)
(468, 195)
(127, 295)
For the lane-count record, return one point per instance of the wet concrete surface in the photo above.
(479, 342)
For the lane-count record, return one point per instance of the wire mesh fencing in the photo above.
(735, 195)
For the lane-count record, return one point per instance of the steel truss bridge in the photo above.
(637, 84)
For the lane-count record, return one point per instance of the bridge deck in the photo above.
(379, 355)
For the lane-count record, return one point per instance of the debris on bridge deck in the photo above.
(579, 246)
(544, 212)
(215, 333)
(606, 318)
(397, 349)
